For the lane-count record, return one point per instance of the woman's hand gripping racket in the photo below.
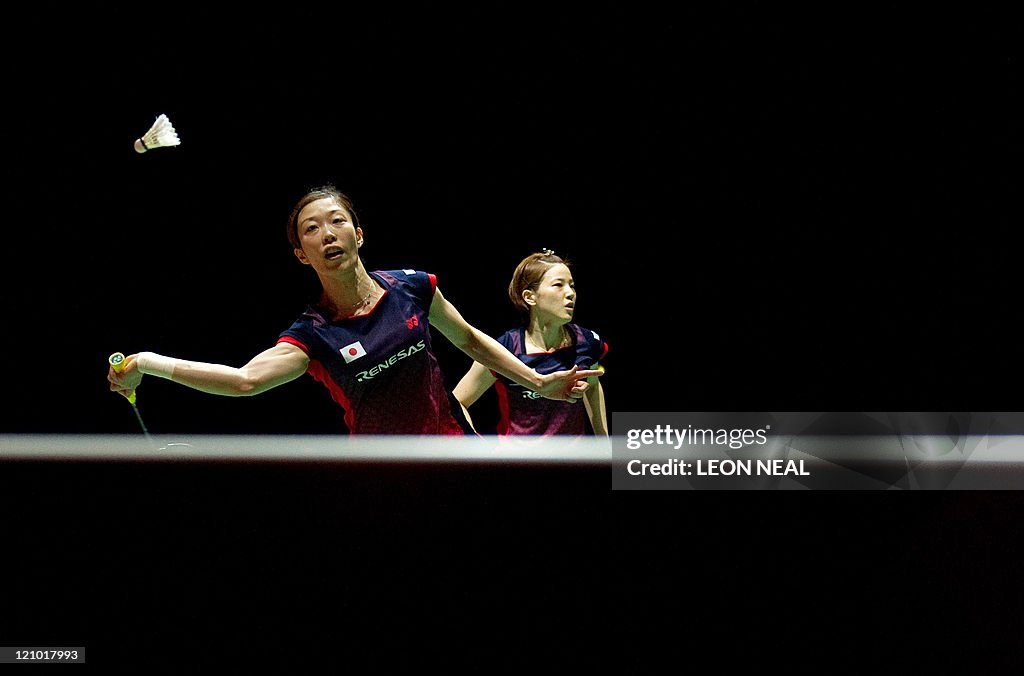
(116, 362)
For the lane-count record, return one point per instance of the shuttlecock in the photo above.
(160, 135)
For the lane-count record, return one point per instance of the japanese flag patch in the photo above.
(352, 352)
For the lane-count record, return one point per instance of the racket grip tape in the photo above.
(116, 362)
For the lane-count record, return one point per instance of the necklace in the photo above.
(348, 311)
(563, 341)
(563, 338)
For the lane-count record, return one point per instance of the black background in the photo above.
(767, 209)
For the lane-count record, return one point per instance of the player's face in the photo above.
(330, 241)
(556, 294)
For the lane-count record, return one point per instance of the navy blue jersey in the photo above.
(526, 412)
(379, 367)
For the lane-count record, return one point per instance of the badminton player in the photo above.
(366, 338)
(543, 290)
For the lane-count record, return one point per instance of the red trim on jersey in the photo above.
(296, 343)
(604, 352)
(433, 283)
(322, 376)
(502, 391)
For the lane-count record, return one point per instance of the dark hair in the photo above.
(319, 193)
(528, 275)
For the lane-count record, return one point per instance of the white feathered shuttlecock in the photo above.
(160, 135)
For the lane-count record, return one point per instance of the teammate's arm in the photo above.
(472, 386)
(593, 399)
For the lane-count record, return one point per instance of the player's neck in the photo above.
(546, 336)
(350, 296)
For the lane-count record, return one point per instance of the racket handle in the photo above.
(116, 362)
